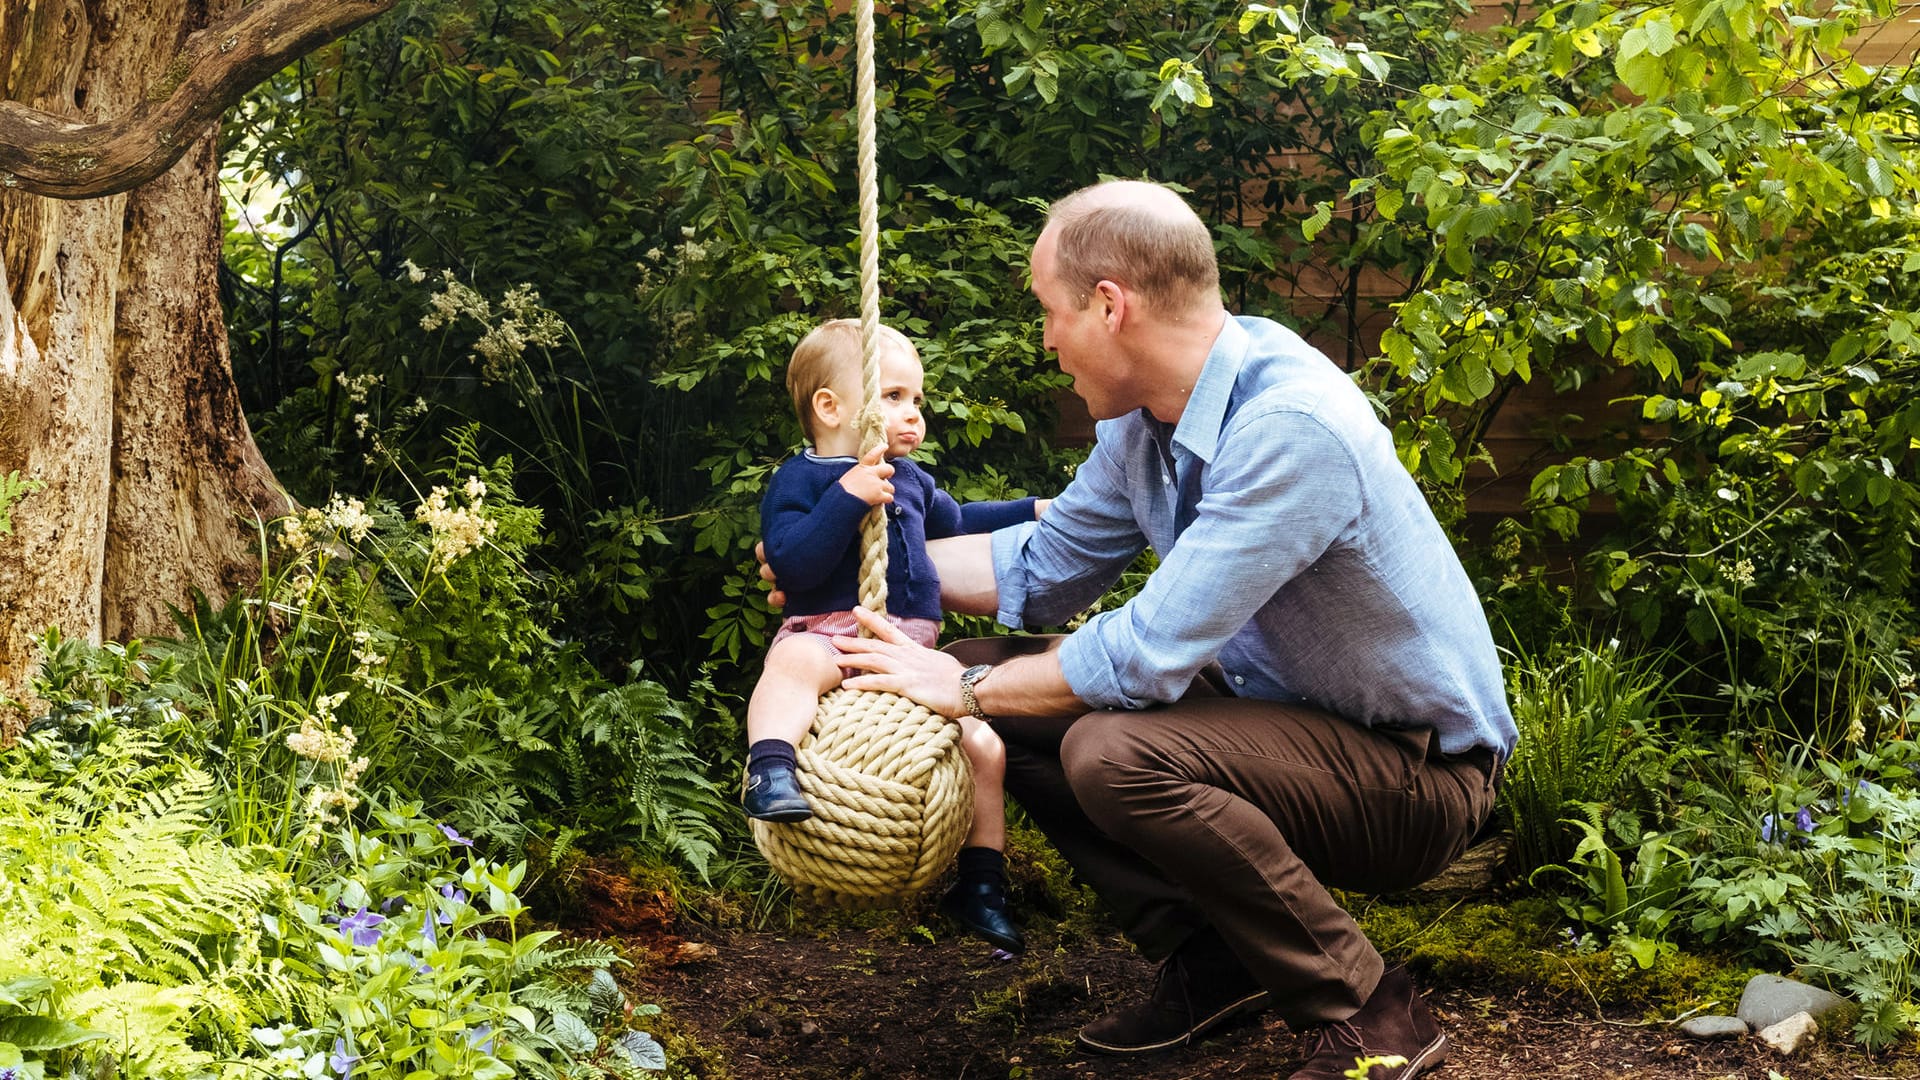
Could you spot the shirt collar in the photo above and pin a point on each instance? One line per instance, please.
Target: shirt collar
(1206, 411)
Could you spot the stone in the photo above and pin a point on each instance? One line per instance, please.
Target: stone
(1714, 1027)
(1789, 1035)
(1769, 999)
(760, 1025)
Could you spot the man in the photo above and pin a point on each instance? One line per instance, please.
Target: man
(1304, 694)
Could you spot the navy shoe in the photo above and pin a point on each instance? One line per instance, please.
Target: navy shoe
(981, 907)
(773, 794)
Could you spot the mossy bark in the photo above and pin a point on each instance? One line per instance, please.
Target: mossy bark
(115, 384)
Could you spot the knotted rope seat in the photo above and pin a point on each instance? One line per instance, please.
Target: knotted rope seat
(890, 787)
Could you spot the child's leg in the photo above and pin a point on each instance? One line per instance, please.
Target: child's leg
(989, 757)
(798, 670)
(978, 899)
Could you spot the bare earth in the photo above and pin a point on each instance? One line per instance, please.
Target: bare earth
(871, 1004)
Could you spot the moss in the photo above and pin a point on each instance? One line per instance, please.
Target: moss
(170, 79)
(687, 1057)
(1523, 943)
(1042, 986)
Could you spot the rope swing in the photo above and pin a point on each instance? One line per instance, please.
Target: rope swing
(890, 787)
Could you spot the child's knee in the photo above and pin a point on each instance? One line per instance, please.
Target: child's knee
(802, 657)
(983, 748)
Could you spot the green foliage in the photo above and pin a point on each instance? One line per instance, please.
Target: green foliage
(1523, 942)
(1584, 714)
(670, 806)
(131, 927)
(1637, 907)
(12, 490)
(145, 941)
(1811, 858)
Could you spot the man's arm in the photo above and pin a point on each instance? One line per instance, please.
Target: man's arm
(965, 564)
(894, 664)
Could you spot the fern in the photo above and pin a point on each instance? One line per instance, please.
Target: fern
(120, 891)
(669, 805)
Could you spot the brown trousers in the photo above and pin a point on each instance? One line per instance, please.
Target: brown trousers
(1239, 815)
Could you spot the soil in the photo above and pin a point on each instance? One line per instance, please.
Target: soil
(847, 1004)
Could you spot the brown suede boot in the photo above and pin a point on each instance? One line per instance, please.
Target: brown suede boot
(1395, 1022)
(1200, 987)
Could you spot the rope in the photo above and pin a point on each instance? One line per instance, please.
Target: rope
(890, 787)
(873, 431)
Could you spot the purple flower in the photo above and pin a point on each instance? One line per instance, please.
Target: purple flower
(481, 1038)
(362, 927)
(454, 837)
(1804, 819)
(458, 896)
(426, 931)
(1767, 825)
(9, 1073)
(341, 1062)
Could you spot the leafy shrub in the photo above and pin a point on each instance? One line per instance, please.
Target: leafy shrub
(1584, 716)
(1812, 860)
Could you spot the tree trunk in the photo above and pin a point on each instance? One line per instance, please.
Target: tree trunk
(115, 383)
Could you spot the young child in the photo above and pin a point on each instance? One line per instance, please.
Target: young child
(810, 521)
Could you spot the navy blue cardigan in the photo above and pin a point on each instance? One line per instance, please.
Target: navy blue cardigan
(811, 526)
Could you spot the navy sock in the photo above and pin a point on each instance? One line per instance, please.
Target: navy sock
(982, 864)
(767, 752)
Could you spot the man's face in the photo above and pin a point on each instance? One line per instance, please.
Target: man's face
(1076, 333)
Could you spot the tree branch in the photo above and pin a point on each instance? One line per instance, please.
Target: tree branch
(47, 154)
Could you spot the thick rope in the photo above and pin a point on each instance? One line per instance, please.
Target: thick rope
(873, 432)
(890, 787)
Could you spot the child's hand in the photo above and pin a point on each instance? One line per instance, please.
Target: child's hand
(869, 481)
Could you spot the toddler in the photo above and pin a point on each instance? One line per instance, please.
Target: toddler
(810, 518)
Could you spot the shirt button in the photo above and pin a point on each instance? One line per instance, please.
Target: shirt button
(1239, 680)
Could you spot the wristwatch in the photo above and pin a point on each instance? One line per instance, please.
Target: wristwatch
(967, 680)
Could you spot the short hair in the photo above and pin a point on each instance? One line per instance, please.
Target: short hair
(1138, 234)
(830, 357)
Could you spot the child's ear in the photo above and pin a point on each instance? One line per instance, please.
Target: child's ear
(826, 408)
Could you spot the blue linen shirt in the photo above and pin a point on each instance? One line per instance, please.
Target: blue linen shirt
(1295, 549)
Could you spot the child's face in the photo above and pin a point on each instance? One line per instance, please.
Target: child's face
(901, 384)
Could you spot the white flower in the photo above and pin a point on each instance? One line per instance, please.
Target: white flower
(350, 517)
(476, 489)
(456, 530)
(413, 273)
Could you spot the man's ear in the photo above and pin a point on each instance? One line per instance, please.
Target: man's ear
(1113, 303)
(826, 409)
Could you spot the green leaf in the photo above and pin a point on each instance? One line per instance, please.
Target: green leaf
(1322, 214)
(43, 1033)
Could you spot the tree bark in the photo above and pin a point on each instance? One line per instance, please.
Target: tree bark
(45, 153)
(115, 382)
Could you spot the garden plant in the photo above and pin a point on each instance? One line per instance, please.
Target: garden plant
(510, 286)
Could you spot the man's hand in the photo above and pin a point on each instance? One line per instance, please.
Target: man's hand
(870, 480)
(894, 664)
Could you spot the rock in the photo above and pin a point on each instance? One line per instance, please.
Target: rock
(760, 1025)
(1789, 1035)
(1715, 1027)
(1769, 999)
(809, 1031)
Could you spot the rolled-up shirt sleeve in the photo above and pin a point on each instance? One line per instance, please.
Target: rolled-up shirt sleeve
(1050, 570)
(1263, 517)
